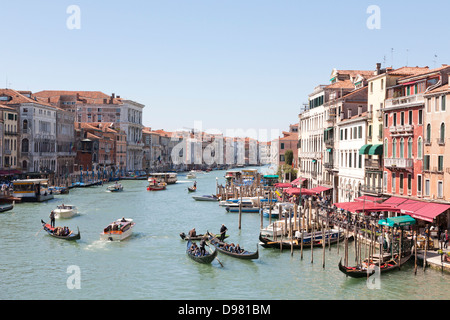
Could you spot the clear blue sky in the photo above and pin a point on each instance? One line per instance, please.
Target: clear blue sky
(228, 63)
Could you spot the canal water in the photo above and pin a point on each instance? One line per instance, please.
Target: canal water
(152, 263)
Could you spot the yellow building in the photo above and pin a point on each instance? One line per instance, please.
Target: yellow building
(9, 141)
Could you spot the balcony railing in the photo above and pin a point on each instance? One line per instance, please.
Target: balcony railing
(406, 101)
(372, 164)
(399, 163)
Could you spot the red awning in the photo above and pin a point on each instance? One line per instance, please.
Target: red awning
(360, 206)
(408, 83)
(320, 189)
(282, 185)
(418, 209)
(298, 181)
(298, 191)
(369, 199)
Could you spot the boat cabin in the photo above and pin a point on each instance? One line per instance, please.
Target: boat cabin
(32, 190)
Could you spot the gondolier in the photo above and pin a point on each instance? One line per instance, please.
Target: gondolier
(202, 246)
(52, 219)
(223, 231)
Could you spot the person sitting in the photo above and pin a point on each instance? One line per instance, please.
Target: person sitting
(238, 249)
(192, 233)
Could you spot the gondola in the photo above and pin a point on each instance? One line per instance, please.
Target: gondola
(50, 230)
(296, 244)
(198, 237)
(220, 247)
(206, 259)
(363, 272)
(192, 189)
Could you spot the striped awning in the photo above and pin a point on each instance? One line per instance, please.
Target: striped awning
(365, 149)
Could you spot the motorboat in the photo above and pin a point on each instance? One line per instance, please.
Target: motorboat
(205, 198)
(118, 230)
(116, 187)
(286, 207)
(191, 175)
(155, 185)
(65, 211)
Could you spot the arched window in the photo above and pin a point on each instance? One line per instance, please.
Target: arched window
(386, 148)
(394, 148)
(25, 165)
(410, 146)
(25, 145)
(442, 133)
(428, 136)
(419, 148)
(25, 125)
(402, 148)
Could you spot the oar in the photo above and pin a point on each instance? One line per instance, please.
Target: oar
(40, 230)
(216, 256)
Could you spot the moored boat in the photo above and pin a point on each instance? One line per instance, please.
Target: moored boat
(60, 233)
(205, 198)
(332, 237)
(197, 236)
(65, 211)
(243, 209)
(118, 230)
(205, 259)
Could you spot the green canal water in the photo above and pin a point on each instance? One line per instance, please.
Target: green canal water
(152, 263)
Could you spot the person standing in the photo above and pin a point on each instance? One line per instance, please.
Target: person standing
(223, 231)
(202, 246)
(52, 219)
(445, 240)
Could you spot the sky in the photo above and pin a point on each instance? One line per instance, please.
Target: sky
(223, 65)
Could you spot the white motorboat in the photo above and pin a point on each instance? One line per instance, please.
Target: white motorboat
(118, 230)
(191, 175)
(65, 211)
(275, 212)
(205, 198)
(116, 187)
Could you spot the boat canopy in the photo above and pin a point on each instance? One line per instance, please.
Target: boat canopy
(398, 221)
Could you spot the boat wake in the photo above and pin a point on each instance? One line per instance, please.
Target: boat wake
(97, 245)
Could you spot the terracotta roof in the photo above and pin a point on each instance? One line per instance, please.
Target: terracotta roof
(80, 97)
(346, 84)
(18, 98)
(425, 72)
(407, 71)
(443, 88)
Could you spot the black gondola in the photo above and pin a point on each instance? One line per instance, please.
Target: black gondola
(51, 231)
(198, 237)
(242, 255)
(206, 259)
(192, 189)
(361, 272)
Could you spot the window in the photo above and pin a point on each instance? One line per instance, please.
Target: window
(393, 183)
(410, 117)
(443, 103)
(426, 162)
(440, 189)
(419, 184)
(360, 132)
(382, 84)
(386, 120)
(342, 134)
(427, 187)
(420, 118)
(410, 146)
(436, 104)
(282, 147)
(442, 134)
(394, 148)
(370, 131)
(440, 163)
(428, 136)
(401, 182)
(395, 120)
(385, 174)
(402, 118)
(402, 148)
(385, 148)
(419, 148)
(409, 183)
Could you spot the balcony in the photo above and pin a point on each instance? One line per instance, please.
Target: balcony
(403, 102)
(329, 143)
(371, 164)
(396, 163)
(401, 131)
(379, 114)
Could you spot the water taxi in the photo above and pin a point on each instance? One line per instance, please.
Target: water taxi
(118, 230)
(155, 185)
(65, 211)
(116, 187)
(167, 177)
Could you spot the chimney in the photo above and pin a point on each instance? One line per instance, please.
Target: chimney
(378, 68)
(113, 95)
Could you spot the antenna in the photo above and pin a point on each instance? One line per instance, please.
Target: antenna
(392, 57)
(435, 60)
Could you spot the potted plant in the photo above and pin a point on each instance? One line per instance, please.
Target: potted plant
(447, 257)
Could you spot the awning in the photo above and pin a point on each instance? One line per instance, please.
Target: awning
(320, 189)
(365, 149)
(369, 199)
(417, 209)
(397, 221)
(329, 150)
(270, 176)
(283, 185)
(376, 149)
(298, 181)
(298, 191)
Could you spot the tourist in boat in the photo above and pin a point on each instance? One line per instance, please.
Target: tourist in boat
(223, 231)
(192, 233)
(52, 219)
(123, 219)
(238, 248)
